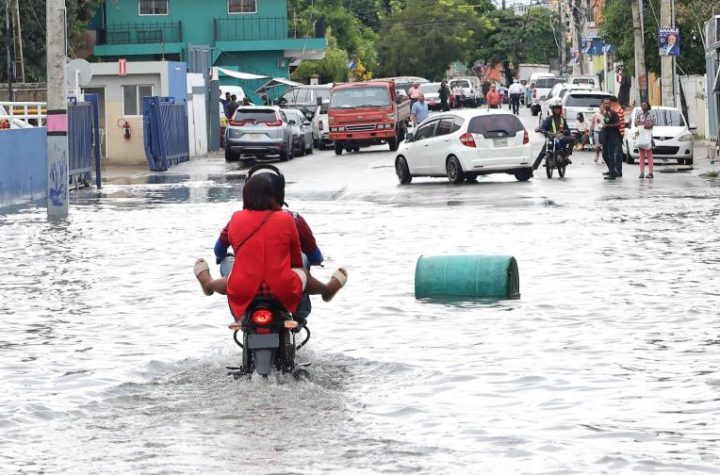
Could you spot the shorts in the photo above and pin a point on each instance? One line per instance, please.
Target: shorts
(303, 276)
(596, 137)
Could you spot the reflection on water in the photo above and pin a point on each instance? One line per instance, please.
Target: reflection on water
(115, 362)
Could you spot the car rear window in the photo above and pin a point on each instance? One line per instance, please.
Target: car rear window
(547, 83)
(255, 114)
(494, 125)
(461, 83)
(584, 100)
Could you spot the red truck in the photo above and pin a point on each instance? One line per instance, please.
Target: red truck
(367, 113)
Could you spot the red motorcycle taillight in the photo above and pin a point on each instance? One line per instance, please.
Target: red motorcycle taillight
(262, 317)
(467, 140)
(526, 138)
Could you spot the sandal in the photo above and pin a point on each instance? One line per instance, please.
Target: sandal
(202, 266)
(341, 276)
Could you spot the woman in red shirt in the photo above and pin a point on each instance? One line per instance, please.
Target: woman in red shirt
(266, 245)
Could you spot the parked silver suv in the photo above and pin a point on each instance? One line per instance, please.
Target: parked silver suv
(256, 132)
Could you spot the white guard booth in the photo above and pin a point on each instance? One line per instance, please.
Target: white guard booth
(197, 115)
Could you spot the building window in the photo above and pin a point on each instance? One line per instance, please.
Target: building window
(153, 7)
(242, 6)
(133, 99)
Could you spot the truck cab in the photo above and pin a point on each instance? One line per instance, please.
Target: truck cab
(367, 113)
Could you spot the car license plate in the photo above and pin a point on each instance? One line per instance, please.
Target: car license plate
(271, 340)
(500, 142)
(253, 137)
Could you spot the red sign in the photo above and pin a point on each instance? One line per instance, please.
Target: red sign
(122, 65)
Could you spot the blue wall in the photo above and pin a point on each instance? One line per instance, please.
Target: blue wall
(23, 165)
(177, 81)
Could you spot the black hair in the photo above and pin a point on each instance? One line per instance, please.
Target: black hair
(258, 193)
(613, 98)
(233, 97)
(276, 178)
(648, 104)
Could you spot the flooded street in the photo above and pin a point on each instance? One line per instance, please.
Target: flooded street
(114, 361)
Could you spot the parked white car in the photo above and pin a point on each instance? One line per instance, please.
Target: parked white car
(471, 87)
(672, 137)
(557, 93)
(465, 143)
(321, 128)
(581, 100)
(540, 89)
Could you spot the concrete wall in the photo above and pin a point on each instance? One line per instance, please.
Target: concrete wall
(23, 165)
(166, 78)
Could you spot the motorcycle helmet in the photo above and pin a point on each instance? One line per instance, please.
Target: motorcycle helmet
(555, 104)
(276, 177)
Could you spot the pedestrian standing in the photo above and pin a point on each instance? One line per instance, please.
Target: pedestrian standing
(419, 110)
(444, 93)
(516, 91)
(621, 129)
(414, 93)
(457, 93)
(613, 141)
(493, 98)
(596, 125)
(502, 92)
(645, 123)
(232, 106)
(226, 105)
(485, 89)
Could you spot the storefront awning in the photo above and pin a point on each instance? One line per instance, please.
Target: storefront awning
(237, 74)
(277, 82)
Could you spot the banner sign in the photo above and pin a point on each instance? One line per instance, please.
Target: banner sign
(592, 46)
(669, 41)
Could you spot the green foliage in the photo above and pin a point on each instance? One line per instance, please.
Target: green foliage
(617, 29)
(517, 39)
(332, 68)
(32, 19)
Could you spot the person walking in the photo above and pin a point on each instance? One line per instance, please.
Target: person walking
(613, 141)
(457, 93)
(516, 91)
(444, 93)
(419, 110)
(493, 98)
(502, 92)
(596, 125)
(645, 123)
(485, 89)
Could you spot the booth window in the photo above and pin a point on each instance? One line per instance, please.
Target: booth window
(153, 7)
(242, 6)
(133, 99)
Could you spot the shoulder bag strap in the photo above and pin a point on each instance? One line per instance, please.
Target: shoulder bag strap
(254, 231)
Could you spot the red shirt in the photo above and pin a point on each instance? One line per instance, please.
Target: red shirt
(493, 98)
(265, 258)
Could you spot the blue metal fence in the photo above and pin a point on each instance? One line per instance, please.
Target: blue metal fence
(80, 143)
(165, 128)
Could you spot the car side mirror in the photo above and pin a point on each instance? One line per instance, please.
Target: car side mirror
(291, 122)
(398, 100)
(318, 100)
(409, 137)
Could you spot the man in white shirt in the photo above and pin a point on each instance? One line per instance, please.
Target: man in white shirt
(516, 91)
(457, 92)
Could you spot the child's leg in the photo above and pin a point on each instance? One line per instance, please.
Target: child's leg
(328, 291)
(208, 284)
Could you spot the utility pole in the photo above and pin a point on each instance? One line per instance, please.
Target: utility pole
(57, 117)
(17, 41)
(563, 58)
(575, 36)
(8, 49)
(640, 76)
(667, 62)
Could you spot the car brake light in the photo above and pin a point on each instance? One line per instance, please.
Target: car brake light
(526, 138)
(467, 140)
(262, 317)
(274, 123)
(237, 123)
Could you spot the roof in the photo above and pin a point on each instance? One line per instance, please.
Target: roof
(276, 82)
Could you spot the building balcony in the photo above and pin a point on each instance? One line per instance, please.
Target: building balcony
(140, 38)
(261, 29)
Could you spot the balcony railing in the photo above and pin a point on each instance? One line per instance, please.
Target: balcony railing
(141, 33)
(258, 29)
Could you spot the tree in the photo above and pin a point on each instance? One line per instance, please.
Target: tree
(32, 17)
(332, 68)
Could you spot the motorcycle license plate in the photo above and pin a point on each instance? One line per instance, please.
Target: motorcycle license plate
(271, 340)
(500, 142)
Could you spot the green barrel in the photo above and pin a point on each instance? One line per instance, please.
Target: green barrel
(467, 276)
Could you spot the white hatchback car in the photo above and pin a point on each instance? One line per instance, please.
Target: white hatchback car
(671, 136)
(465, 143)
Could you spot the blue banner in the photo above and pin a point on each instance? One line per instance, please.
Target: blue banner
(669, 41)
(593, 46)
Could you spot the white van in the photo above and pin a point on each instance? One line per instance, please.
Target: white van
(589, 81)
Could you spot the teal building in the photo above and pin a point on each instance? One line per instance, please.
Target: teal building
(252, 36)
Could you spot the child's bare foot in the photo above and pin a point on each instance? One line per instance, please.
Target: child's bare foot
(337, 282)
(202, 272)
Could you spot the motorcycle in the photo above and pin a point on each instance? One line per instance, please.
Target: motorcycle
(268, 334)
(555, 155)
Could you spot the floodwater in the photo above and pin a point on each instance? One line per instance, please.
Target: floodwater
(114, 361)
